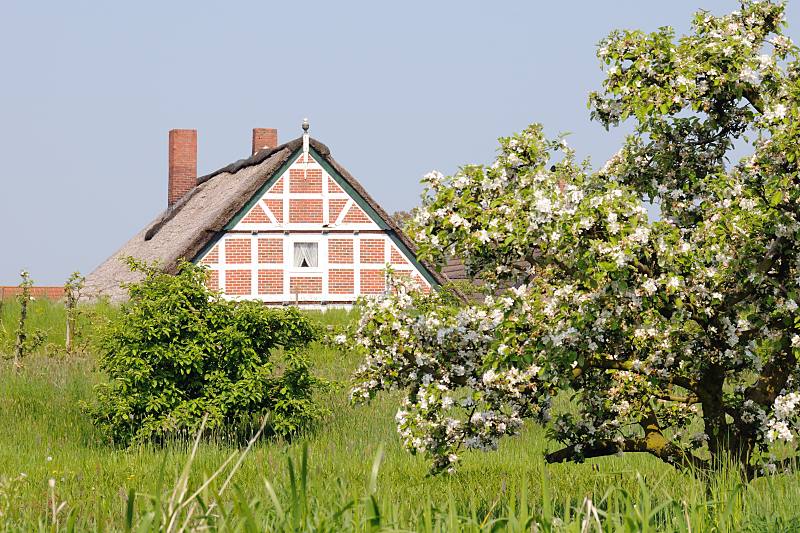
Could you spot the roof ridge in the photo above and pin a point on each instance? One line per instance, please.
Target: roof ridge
(262, 155)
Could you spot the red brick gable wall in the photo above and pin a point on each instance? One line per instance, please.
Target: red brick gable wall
(270, 250)
(256, 216)
(238, 252)
(256, 259)
(356, 216)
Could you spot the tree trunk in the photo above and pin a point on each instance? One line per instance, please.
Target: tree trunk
(19, 351)
(70, 328)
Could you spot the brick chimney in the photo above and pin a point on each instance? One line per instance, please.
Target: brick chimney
(264, 138)
(182, 164)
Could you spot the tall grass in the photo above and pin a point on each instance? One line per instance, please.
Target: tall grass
(328, 478)
(49, 318)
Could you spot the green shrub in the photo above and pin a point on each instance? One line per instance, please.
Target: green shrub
(178, 352)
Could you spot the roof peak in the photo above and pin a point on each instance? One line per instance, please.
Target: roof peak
(262, 155)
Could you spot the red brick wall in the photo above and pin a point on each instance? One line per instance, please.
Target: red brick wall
(305, 285)
(237, 282)
(51, 293)
(256, 216)
(302, 159)
(372, 251)
(270, 251)
(341, 278)
(182, 164)
(333, 186)
(356, 216)
(340, 281)
(309, 181)
(238, 252)
(340, 250)
(264, 138)
(212, 257)
(278, 187)
(276, 206)
(335, 206)
(305, 211)
(372, 281)
(270, 281)
(397, 257)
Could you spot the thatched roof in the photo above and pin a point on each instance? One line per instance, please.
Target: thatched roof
(184, 229)
(454, 269)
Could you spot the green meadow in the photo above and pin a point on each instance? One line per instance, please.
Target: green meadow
(58, 473)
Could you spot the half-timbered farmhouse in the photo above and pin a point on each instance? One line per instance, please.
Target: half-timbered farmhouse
(288, 225)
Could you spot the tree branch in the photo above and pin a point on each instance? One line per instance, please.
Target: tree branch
(690, 399)
(670, 453)
(754, 99)
(601, 449)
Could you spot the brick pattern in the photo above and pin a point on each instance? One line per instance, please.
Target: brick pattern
(397, 258)
(275, 205)
(372, 281)
(333, 187)
(340, 281)
(335, 206)
(305, 285)
(256, 216)
(277, 188)
(372, 251)
(264, 138)
(50, 293)
(237, 282)
(305, 211)
(270, 281)
(270, 250)
(305, 181)
(302, 159)
(182, 164)
(212, 257)
(238, 252)
(356, 216)
(340, 251)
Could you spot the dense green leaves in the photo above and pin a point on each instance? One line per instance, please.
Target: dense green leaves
(178, 352)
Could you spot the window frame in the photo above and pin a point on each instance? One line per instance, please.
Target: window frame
(305, 239)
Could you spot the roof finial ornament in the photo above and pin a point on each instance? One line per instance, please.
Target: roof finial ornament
(305, 125)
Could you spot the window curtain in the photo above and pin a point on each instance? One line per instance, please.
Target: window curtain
(305, 254)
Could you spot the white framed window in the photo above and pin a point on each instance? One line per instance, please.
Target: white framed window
(306, 255)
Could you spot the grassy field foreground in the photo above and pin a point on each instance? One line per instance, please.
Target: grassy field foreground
(58, 473)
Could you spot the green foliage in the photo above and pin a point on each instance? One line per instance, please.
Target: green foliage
(72, 290)
(178, 352)
(501, 489)
(26, 341)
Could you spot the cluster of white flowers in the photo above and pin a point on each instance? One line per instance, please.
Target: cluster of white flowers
(783, 423)
(595, 297)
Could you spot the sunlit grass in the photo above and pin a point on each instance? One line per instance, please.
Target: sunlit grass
(45, 435)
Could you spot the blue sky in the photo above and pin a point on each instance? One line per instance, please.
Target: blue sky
(90, 89)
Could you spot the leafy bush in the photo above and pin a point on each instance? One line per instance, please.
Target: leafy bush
(177, 352)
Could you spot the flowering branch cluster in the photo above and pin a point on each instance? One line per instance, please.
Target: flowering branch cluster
(651, 324)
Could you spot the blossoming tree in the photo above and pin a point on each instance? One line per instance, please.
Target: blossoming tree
(655, 327)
